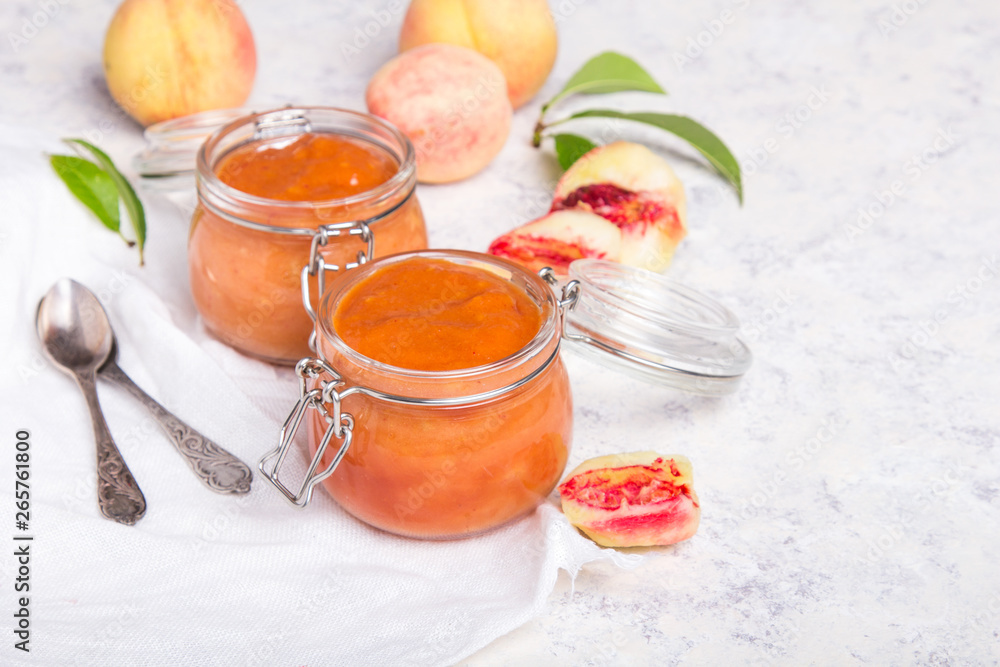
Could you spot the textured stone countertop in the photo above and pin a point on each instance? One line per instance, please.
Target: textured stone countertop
(851, 488)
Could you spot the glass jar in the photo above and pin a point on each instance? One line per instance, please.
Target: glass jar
(440, 454)
(257, 265)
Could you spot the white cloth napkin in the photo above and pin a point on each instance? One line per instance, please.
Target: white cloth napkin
(206, 579)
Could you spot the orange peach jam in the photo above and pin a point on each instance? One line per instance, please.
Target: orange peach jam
(431, 315)
(426, 326)
(307, 167)
(246, 280)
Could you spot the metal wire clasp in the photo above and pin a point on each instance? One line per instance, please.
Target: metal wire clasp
(568, 294)
(318, 267)
(341, 426)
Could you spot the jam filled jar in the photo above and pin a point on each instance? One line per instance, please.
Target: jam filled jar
(438, 406)
(285, 199)
(444, 368)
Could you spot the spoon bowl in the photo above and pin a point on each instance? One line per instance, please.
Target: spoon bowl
(73, 328)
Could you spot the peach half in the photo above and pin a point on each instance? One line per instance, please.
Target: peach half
(518, 35)
(632, 187)
(558, 239)
(451, 102)
(638, 499)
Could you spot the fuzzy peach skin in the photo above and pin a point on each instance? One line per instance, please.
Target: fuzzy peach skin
(169, 58)
(558, 239)
(639, 499)
(634, 188)
(451, 102)
(518, 35)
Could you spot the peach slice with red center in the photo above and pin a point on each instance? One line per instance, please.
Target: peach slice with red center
(559, 238)
(632, 187)
(638, 499)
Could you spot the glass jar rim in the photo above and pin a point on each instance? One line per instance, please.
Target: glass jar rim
(206, 176)
(548, 330)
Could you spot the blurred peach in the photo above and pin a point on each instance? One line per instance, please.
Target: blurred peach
(518, 35)
(450, 101)
(169, 58)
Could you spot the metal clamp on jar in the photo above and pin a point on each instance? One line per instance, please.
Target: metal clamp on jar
(440, 454)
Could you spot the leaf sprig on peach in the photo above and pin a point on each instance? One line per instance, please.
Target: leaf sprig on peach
(611, 72)
(629, 204)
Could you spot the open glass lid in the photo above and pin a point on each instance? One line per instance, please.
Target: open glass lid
(653, 328)
(167, 162)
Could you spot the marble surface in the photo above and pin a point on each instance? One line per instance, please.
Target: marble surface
(850, 488)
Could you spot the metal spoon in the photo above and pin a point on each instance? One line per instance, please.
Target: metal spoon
(218, 469)
(75, 335)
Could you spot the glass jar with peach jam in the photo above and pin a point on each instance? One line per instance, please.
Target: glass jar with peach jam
(438, 405)
(284, 199)
(444, 367)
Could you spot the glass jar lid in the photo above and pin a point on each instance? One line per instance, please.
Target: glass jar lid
(654, 328)
(167, 162)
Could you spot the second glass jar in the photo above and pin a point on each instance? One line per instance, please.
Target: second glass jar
(247, 252)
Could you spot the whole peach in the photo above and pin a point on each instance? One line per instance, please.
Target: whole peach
(518, 35)
(169, 58)
(452, 104)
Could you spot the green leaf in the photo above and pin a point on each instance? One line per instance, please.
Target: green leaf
(571, 147)
(132, 204)
(608, 72)
(696, 134)
(92, 186)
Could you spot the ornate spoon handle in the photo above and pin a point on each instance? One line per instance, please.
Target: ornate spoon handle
(218, 469)
(118, 495)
